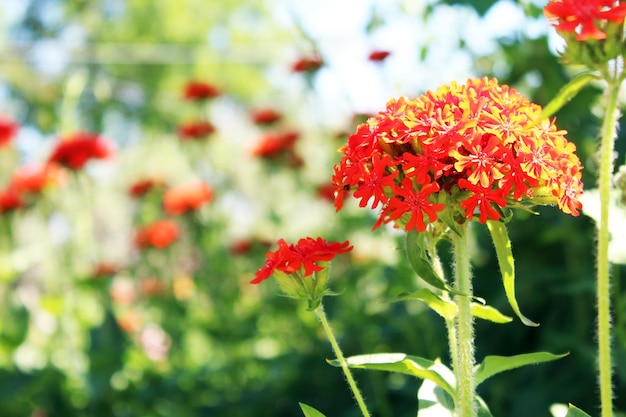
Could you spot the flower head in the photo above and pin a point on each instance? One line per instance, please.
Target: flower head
(265, 116)
(307, 64)
(10, 199)
(34, 177)
(199, 91)
(586, 18)
(305, 257)
(74, 151)
(378, 55)
(472, 150)
(159, 234)
(186, 197)
(8, 129)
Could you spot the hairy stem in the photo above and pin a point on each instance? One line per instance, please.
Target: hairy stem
(321, 315)
(466, 385)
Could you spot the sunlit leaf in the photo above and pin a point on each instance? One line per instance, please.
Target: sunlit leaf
(502, 244)
(573, 411)
(401, 363)
(489, 313)
(492, 365)
(309, 411)
(445, 308)
(435, 402)
(420, 260)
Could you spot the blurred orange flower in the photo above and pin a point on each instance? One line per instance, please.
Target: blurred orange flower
(159, 234)
(185, 197)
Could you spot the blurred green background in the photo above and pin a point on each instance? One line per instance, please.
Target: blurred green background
(91, 325)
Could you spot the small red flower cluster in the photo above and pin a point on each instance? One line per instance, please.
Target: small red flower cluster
(378, 55)
(28, 180)
(274, 145)
(199, 91)
(302, 258)
(465, 148)
(143, 186)
(265, 116)
(75, 150)
(8, 129)
(584, 16)
(195, 130)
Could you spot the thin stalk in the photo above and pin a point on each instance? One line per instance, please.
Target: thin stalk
(465, 384)
(321, 315)
(609, 132)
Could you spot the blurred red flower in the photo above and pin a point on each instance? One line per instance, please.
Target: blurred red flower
(185, 197)
(265, 116)
(272, 144)
(159, 234)
(10, 199)
(307, 64)
(378, 55)
(151, 286)
(195, 130)
(199, 90)
(142, 187)
(8, 129)
(74, 151)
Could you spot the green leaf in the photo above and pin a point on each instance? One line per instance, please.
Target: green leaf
(404, 364)
(502, 244)
(310, 411)
(492, 365)
(445, 308)
(489, 313)
(573, 411)
(435, 402)
(420, 260)
(565, 94)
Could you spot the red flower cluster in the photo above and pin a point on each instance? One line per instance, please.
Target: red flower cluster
(8, 129)
(159, 234)
(274, 145)
(378, 55)
(199, 90)
(76, 150)
(10, 200)
(28, 180)
(584, 16)
(303, 258)
(195, 130)
(470, 149)
(307, 64)
(185, 197)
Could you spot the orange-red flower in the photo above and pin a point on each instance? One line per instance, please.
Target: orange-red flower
(199, 90)
(74, 151)
(586, 18)
(34, 177)
(195, 130)
(8, 129)
(159, 234)
(186, 197)
(378, 55)
(305, 257)
(480, 143)
(276, 145)
(143, 186)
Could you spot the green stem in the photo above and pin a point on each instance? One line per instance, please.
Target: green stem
(609, 127)
(465, 383)
(321, 315)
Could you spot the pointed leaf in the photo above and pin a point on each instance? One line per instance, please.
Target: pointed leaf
(489, 313)
(565, 94)
(573, 411)
(502, 244)
(420, 260)
(445, 308)
(492, 365)
(401, 363)
(310, 411)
